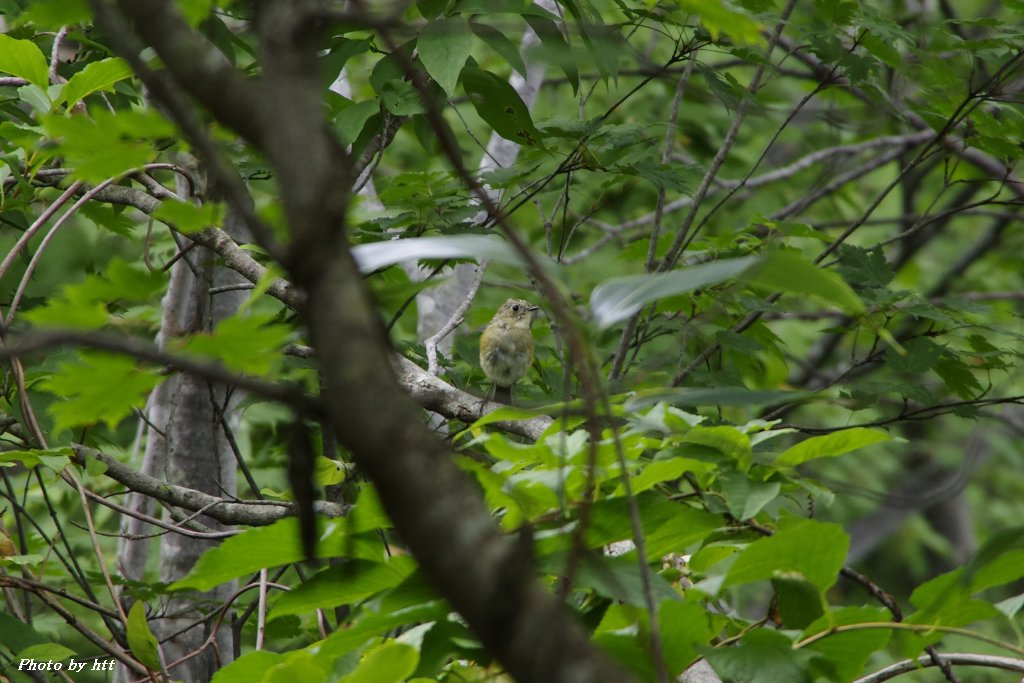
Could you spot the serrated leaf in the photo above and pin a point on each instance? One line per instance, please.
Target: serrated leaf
(98, 388)
(22, 58)
(248, 344)
(616, 299)
(831, 445)
(101, 75)
(187, 217)
(141, 640)
(443, 46)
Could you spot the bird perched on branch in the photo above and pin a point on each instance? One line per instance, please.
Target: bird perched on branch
(506, 347)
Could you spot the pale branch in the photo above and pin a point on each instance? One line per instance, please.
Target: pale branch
(951, 658)
(224, 510)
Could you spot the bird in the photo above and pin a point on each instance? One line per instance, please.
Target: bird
(506, 347)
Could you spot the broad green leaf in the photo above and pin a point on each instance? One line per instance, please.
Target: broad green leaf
(243, 343)
(22, 58)
(799, 601)
(847, 653)
(500, 44)
(401, 98)
(67, 313)
(815, 550)
(375, 255)
(389, 662)
(720, 17)
(349, 122)
(101, 75)
(616, 299)
(16, 635)
(744, 497)
(99, 387)
(248, 668)
(787, 272)
(526, 8)
(499, 105)
(555, 49)
(349, 583)
(55, 457)
(729, 441)
(187, 217)
(684, 627)
(46, 651)
(141, 640)
(831, 445)
(444, 45)
(299, 665)
(195, 10)
(259, 548)
(97, 150)
(431, 8)
(53, 14)
(761, 656)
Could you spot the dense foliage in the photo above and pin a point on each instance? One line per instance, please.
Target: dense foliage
(774, 418)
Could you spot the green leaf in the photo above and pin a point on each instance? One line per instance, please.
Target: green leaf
(500, 44)
(349, 583)
(684, 627)
(799, 601)
(616, 299)
(53, 14)
(16, 635)
(349, 122)
(141, 640)
(719, 17)
(195, 10)
(389, 662)
(46, 651)
(23, 59)
(499, 105)
(716, 396)
(727, 440)
(814, 550)
(761, 656)
(401, 98)
(444, 45)
(97, 150)
(787, 272)
(847, 653)
(744, 497)
(101, 75)
(187, 217)
(98, 388)
(244, 343)
(556, 49)
(830, 445)
(248, 668)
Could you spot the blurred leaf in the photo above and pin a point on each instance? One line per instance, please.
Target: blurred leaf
(349, 583)
(375, 255)
(389, 662)
(444, 45)
(787, 272)
(616, 299)
(500, 44)
(242, 343)
(187, 217)
(830, 445)
(98, 387)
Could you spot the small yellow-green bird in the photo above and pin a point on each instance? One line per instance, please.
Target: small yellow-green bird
(506, 347)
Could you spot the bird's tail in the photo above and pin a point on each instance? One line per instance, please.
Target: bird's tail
(503, 394)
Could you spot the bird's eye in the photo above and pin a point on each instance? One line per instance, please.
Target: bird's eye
(515, 307)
